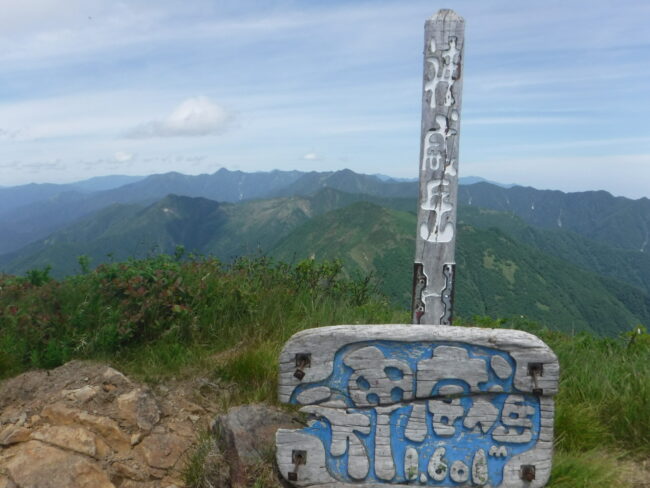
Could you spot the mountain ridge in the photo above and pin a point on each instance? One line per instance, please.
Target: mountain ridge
(596, 215)
(496, 275)
(370, 234)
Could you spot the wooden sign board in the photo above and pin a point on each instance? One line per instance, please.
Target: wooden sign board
(415, 405)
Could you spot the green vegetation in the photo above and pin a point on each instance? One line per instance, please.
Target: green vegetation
(506, 267)
(595, 215)
(159, 314)
(160, 317)
(629, 266)
(497, 275)
(604, 396)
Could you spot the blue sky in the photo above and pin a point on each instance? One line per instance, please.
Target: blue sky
(556, 94)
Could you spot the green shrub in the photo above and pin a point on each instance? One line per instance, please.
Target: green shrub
(161, 316)
(125, 310)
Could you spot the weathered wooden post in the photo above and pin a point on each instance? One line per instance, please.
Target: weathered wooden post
(434, 267)
(415, 405)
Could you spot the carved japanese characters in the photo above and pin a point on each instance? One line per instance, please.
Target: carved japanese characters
(436, 228)
(416, 405)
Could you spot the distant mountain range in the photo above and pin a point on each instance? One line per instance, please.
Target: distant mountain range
(497, 275)
(31, 212)
(28, 213)
(617, 221)
(574, 261)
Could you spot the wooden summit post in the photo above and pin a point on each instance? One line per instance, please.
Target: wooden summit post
(435, 241)
(410, 404)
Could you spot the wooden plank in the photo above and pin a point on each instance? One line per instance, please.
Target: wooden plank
(434, 266)
(413, 404)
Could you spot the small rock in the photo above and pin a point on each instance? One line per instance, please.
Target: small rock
(60, 414)
(68, 437)
(13, 434)
(139, 408)
(105, 426)
(8, 414)
(163, 451)
(81, 395)
(21, 419)
(136, 438)
(132, 471)
(114, 376)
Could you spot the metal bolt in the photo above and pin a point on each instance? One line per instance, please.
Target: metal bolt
(527, 472)
(535, 369)
(303, 360)
(299, 457)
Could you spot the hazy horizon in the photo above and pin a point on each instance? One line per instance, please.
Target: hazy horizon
(463, 179)
(555, 95)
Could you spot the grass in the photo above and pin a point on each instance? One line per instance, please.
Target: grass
(604, 394)
(591, 469)
(160, 318)
(206, 466)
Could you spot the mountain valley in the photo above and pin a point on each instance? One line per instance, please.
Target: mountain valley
(514, 257)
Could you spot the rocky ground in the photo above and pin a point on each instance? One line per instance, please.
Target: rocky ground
(86, 425)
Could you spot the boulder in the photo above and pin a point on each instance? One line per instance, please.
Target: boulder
(87, 425)
(246, 436)
(104, 426)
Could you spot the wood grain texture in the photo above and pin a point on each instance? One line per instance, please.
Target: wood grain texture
(434, 270)
(407, 405)
(404, 404)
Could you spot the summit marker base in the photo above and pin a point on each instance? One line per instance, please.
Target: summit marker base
(410, 405)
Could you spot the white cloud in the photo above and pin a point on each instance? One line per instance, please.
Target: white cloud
(8, 135)
(311, 157)
(197, 116)
(123, 157)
